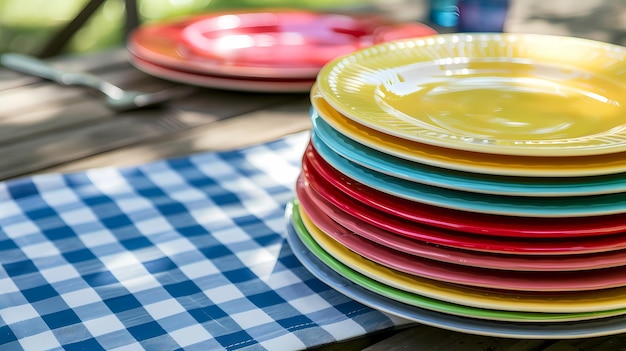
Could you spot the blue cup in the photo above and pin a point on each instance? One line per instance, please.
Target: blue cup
(444, 13)
(482, 15)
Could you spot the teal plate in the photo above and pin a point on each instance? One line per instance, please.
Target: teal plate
(523, 206)
(328, 140)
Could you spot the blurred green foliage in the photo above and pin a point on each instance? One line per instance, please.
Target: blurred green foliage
(25, 25)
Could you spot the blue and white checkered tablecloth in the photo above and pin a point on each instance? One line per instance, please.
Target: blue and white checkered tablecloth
(186, 253)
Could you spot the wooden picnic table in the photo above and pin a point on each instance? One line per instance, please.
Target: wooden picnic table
(48, 128)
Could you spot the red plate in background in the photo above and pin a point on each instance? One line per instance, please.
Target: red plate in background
(278, 43)
(222, 82)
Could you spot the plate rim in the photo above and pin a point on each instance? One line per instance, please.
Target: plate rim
(329, 78)
(467, 275)
(548, 207)
(299, 223)
(461, 160)
(219, 82)
(494, 244)
(336, 143)
(449, 322)
(170, 50)
(495, 260)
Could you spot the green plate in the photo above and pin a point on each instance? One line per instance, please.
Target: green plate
(426, 302)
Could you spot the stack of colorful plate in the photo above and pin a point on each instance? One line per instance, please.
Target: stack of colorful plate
(262, 50)
(475, 182)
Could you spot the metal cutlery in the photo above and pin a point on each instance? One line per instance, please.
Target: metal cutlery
(116, 97)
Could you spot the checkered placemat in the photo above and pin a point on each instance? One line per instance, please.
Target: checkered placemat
(187, 253)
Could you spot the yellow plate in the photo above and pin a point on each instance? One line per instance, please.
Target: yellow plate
(513, 94)
(572, 302)
(464, 160)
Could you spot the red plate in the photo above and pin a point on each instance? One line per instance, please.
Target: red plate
(278, 43)
(346, 208)
(333, 183)
(316, 209)
(471, 275)
(222, 82)
(357, 219)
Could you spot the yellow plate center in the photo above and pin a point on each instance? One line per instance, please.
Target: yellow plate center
(527, 95)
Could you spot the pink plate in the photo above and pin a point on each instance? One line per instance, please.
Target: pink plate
(315, 206)
(278, 43)
(469, 275)
(222, 82)
(335, 183)
(345, 210)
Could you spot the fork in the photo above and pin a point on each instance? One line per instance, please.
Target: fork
(116, 97)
